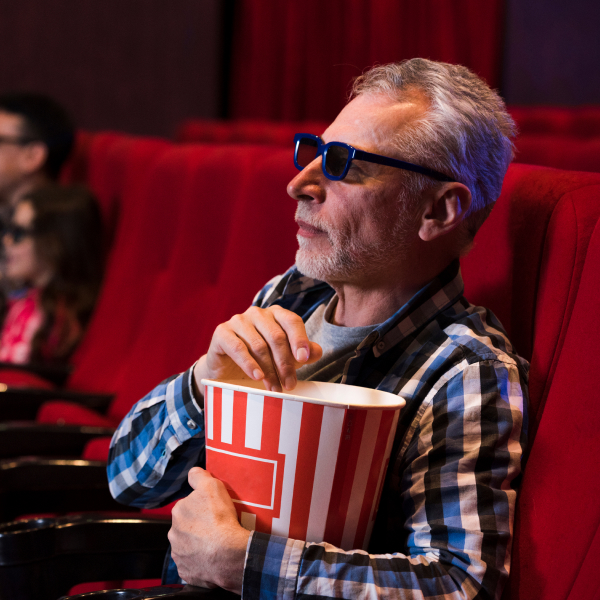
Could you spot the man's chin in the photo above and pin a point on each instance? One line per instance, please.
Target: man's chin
(317, 267)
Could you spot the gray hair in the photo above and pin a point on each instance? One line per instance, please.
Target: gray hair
(466, 131)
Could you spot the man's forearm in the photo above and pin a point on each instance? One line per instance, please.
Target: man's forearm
(140, 469)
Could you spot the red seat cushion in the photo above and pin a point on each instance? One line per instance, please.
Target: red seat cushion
(63, 412)
(20, 378)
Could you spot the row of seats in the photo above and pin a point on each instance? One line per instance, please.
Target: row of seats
(554, 137)
(197, 229)
(579, 122)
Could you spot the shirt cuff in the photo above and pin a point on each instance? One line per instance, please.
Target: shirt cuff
(185, 414)
(272, 565)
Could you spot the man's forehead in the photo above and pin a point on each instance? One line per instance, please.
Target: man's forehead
(370, 121)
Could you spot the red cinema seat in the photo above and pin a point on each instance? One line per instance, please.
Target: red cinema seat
(140, 252)
(556, 550)
(527, 263)
(235, 212)
(170, 340)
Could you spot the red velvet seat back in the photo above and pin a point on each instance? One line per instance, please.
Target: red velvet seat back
(237, 226)
(211, 181)
(527, 262)
(139, 252)
(248, 131)
(581, 121)
(559, 151)
(556, 551)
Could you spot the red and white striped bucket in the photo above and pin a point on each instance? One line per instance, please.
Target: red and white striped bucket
(309, 464)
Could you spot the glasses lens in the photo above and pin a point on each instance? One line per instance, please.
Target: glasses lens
(16, 232)
(306, 152)
(336, 159)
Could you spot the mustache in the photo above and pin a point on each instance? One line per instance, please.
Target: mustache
(302, 214)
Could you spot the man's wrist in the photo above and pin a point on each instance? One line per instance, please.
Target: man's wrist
(232, 560)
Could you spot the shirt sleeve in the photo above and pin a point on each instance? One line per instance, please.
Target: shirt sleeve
(452, 505)
(156, 444)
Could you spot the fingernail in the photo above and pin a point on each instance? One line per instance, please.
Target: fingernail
(290, 383)
(258, 374)
(302, 355)
(276, 389)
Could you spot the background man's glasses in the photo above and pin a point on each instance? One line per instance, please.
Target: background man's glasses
(16, 232)
(19, 141)
(337, 158)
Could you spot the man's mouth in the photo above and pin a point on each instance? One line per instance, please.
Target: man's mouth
(307, 230)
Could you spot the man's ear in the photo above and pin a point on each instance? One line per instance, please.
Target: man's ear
(444, 210)
(33, 157)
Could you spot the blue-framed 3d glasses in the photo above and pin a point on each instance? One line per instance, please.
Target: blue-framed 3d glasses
(337, 158)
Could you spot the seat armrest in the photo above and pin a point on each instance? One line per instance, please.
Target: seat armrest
(40, 439)
(22, 403)
(44, 558)
(39, 485)
(56, 374)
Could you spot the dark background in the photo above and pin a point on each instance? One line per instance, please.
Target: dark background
(143, 66)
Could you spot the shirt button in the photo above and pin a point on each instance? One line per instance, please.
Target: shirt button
(191, 424)
(381, 345)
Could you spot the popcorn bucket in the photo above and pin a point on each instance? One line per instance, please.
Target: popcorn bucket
(309, 464)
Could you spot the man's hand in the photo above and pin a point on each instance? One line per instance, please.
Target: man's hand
(208, 544)
(263, 343)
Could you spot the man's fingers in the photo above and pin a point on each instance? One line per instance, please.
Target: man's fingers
(261, 334)
(291, 348)
(229, 344)
(196, 475)
(295, 331)
(265, 344)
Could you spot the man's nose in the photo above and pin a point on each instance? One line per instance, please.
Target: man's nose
(308, 184)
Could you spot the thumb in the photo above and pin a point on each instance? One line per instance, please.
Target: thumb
(196, 475)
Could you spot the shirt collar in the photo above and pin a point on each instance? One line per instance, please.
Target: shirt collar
(434, 298)
(442, 292)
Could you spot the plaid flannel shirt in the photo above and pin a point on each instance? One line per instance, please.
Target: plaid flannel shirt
(445, 519)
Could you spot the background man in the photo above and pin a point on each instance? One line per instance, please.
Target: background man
(36, 138)
(375, 299)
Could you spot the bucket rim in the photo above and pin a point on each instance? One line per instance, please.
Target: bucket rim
(378, 399)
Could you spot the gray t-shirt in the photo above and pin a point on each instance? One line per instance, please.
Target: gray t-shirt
(338, 343)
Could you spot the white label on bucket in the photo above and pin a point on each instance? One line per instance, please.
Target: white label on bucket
(209, 411)
(329, 443)
(254, 420)
(273, 476)
(361, 476)
(289, 437)
(226, 416)
(248, 520)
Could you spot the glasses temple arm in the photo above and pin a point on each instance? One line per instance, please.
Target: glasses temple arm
(393, 162)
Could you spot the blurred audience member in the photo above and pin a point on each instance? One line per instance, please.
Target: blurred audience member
(36, 138)
(54, 263)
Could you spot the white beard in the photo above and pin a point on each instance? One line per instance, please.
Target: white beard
(348, 258)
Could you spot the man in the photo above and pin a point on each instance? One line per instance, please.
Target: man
(375, 299)
(36, 138)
